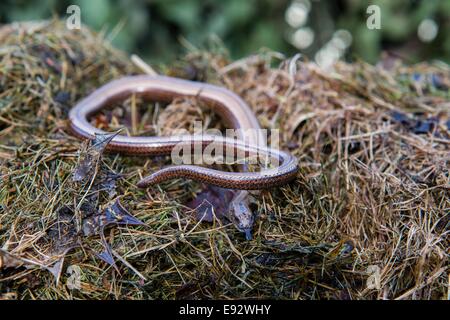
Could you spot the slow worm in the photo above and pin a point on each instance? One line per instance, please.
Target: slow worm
(232, 109)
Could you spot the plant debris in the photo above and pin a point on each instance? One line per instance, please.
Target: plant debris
(372, 198)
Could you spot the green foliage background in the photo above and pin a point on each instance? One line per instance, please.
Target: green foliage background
(155, 29)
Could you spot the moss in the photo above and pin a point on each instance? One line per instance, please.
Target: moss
(371, 190)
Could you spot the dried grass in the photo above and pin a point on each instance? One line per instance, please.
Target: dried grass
(373, 190)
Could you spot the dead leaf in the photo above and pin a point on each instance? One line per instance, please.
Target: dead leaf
(90, 155)
(211, 201)
(114, 214)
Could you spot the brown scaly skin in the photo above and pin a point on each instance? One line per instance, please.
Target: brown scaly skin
(229, 106)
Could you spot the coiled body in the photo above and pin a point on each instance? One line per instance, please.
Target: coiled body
(232, 109)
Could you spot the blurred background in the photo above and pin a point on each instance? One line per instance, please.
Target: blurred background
(323, 30)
